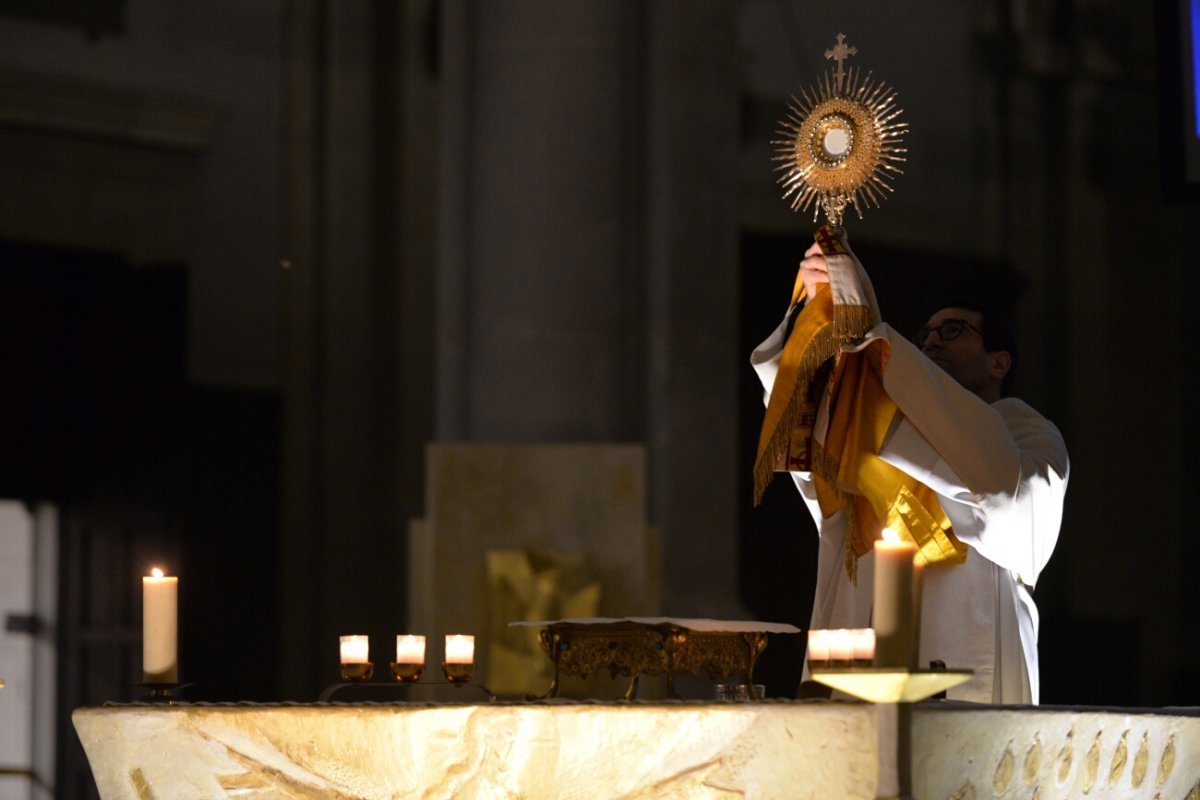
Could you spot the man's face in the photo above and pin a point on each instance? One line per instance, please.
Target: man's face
(962, 357)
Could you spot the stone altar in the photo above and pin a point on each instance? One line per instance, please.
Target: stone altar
(773, 749)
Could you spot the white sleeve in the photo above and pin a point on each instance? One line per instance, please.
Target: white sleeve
(765, 358)
(1029, 522)
(1004, 461)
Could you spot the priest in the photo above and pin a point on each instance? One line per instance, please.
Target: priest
(919, 436)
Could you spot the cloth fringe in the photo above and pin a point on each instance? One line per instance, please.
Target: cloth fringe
(824, 345)
(850, 324)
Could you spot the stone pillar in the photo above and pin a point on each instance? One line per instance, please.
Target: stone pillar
(693, 361)
(587, 280)
(540, 271)
(357, 382)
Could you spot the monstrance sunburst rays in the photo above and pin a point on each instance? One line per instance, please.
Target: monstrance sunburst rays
(843, 143)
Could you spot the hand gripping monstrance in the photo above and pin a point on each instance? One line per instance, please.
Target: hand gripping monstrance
(843, 143)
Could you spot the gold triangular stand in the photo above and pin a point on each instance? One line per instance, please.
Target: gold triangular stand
(891, 685)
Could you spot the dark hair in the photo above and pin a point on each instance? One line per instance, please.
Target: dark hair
(997, 336)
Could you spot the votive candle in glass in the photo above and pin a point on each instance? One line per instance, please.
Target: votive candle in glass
(818, 647)
(841, 645)
(355, 654)
(459, 664)
(410, 649)
(864, 645)
(460, 649)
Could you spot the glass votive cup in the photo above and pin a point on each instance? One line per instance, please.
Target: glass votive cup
(410, 658)
(357, 673)
(738, 692)
(407, 671)
(457, 673)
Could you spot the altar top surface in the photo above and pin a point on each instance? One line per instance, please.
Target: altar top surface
(691, 624)
(567, 749)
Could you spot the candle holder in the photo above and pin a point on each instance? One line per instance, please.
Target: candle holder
(360, 687)
(407, 672)
(458, 674)
(891, 684)
(360, 672)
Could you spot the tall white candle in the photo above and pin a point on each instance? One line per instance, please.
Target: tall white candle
(160, 628)
(355, 649)
(460, 649)
(893, 616)
(410, 649)
(918, 588)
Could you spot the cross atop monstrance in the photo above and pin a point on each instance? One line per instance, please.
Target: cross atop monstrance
(840, 52)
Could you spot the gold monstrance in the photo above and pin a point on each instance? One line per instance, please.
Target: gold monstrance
(843, 143)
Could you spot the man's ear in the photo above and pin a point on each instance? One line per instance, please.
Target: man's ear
(999, 363)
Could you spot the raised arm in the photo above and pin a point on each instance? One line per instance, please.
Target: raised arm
(1003, 461)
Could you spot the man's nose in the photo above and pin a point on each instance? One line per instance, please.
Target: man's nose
(925, 345)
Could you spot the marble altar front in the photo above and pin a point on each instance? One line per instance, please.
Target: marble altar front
(774, 749)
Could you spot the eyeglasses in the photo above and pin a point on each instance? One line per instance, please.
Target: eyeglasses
(947, 330)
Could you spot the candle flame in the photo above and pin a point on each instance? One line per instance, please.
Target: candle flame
(890, 536)
(156, 572)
